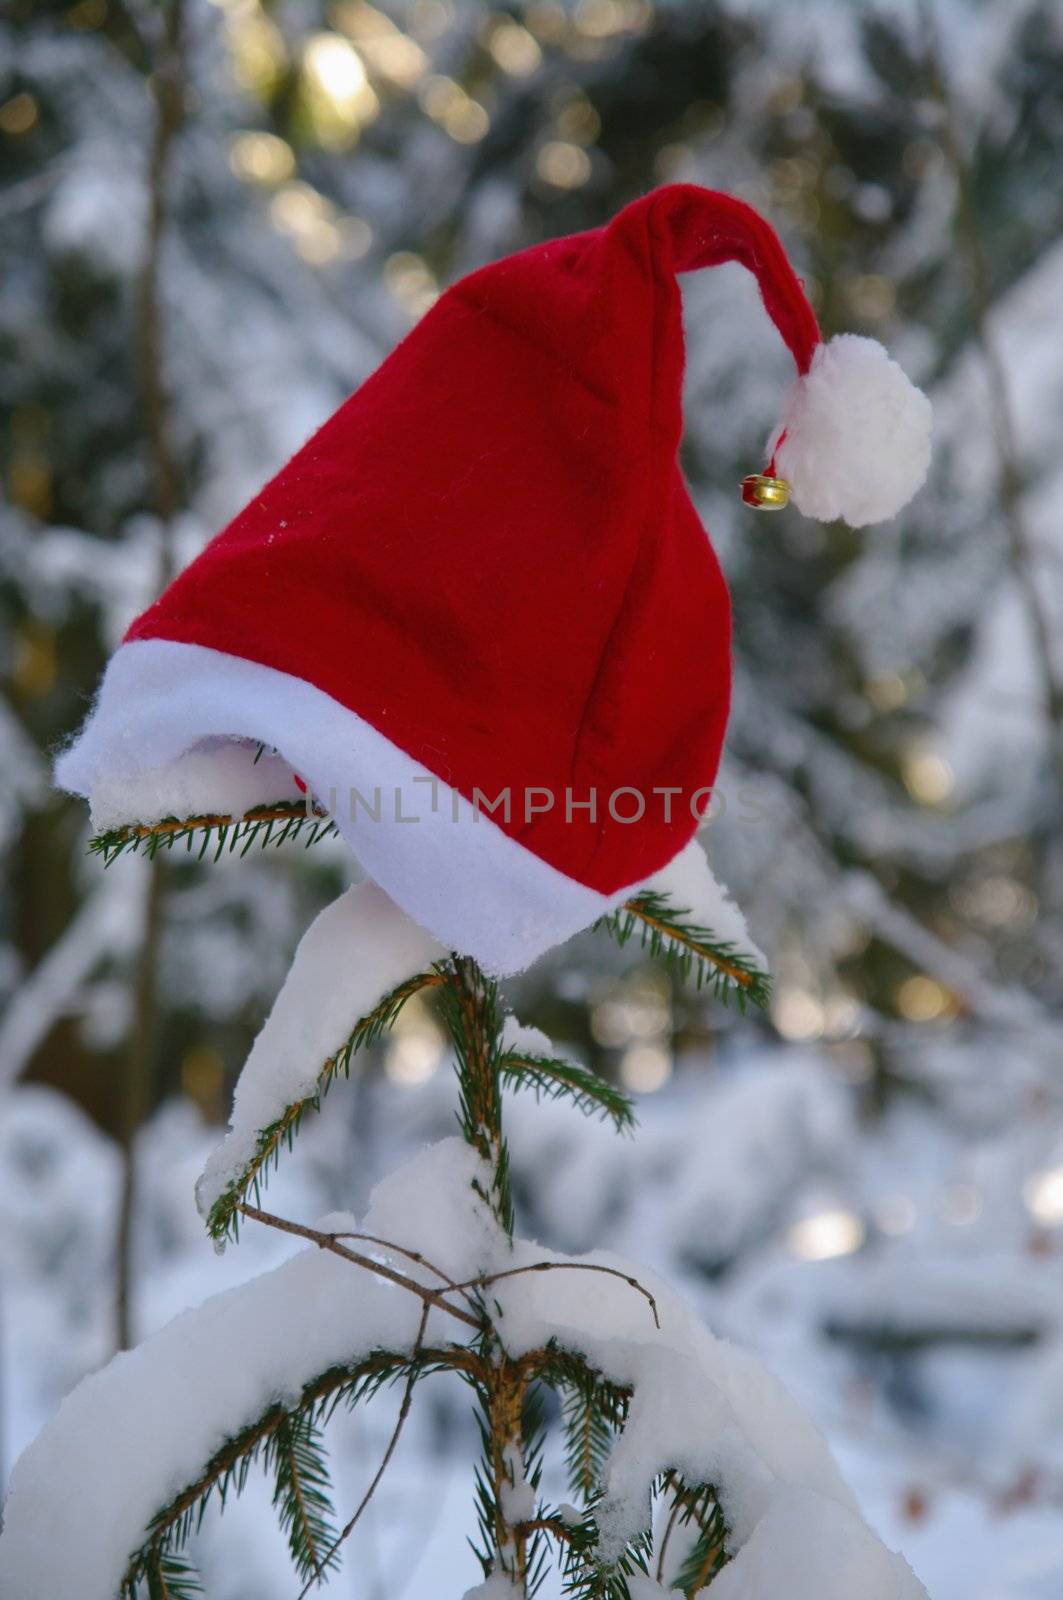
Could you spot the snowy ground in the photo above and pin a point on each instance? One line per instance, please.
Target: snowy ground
(917, 1324)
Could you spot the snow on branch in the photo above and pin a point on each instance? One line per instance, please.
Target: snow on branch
(361, 961)
(138, 1447)
(116, 1480)
(656, 1411)
(112, 1489)
(686, 917)
(698, 1419)
(354, 969)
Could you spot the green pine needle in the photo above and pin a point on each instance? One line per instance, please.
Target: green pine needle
(217, 835)
(586, 1578)
(301, 1495)
(696, 1509)
(589, 1437)
(169, 1577)
(287, 1442)
(693, 950)
(471, 1008)
(593, 1412)
(550, 1078)
(223, 1221)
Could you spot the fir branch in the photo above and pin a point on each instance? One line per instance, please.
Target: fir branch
(588, 1440)
(668, 933)
(704, 1560)
(220, 832)
(396, 1433)
(472, 1011)
(503, 1417)
(553, 1523)
(588, 1578)
(168, 1576)
(223, 1219)
(593, 1411)
(550, 1078)
(585, 1577)
(698, 1506)
(158, 1560)
(301, 1494)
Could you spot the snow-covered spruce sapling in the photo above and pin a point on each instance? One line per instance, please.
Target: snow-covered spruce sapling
(689, 1466)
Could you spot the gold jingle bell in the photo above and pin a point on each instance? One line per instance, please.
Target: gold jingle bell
(764, 493)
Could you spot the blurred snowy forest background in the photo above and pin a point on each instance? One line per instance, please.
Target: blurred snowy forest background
(252, 201)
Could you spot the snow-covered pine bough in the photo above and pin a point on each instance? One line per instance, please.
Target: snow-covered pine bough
(376, 617)
(689, 1465)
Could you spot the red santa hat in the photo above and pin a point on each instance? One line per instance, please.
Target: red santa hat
(477, 613)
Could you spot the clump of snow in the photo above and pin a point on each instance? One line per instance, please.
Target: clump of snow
(354, 953)
(218, 777)
(429, 1205)
(524, 1040)
(807, 1547)
(857, 434)
(701, 1405)
(499, 1586)
(518, 1496)
(690, 885)
(132, 1435)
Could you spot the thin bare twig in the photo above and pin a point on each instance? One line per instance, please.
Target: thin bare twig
(329, 1241)
(404, 1411)
(400, 1250)
(411, 1255)
(564, 1266)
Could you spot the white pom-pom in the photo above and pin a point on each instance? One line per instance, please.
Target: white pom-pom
(857, 442)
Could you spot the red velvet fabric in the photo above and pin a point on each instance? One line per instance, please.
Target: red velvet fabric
(489, 554)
